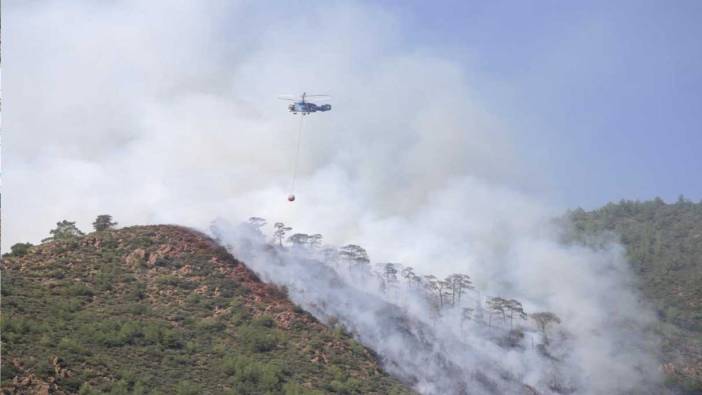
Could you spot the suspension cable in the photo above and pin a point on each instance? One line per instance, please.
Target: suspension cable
(297, 156)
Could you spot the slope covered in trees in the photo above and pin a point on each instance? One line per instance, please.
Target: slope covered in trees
(445, 334)
(163, 309)
(664, 245)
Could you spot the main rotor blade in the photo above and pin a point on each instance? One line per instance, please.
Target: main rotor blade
(300, 97)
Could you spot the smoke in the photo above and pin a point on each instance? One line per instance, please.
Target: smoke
(603, 344)
(156, 113)
(163, 113)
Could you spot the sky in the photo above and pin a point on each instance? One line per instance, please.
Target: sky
(167, 113)
(606, 95)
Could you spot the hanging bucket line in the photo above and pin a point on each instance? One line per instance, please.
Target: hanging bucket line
(297, 156)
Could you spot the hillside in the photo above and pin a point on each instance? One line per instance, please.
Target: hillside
(664, 246)
(164, 309)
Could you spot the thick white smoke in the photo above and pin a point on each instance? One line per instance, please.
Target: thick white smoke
(157, 113)
(603, 344)
(163, 113)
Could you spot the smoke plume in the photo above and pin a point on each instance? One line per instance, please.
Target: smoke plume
(161, 113)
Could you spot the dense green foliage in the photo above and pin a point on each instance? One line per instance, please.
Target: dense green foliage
(20, 249)
(150, 310)
(103, 222)
(65, 230)
(664, 245)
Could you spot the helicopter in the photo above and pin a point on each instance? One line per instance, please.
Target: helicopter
(300, 105)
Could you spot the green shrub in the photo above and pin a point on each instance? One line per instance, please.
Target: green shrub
(239, 316)
(130, 331)
(175, 281)
(170, 339)
(168, 262)
(142, 242)
(252, 377)
(139, 388)
(271, 377)
(264, 321)
(79, 289)
(17, 325)
(7, 371)
(227, 288)
(257, 340)
(71, 345)
(105, 280)
(229, 364)
(137, 293)
(58, 274)
(120, 387)
(213, 325)
(188, 388)
(159, 334)
(65, 308)
(152, 333)
(87, 389)
(297, 389)
(351, 386)
(138, 309)
(113, 333)
(20, 249)
(191, 347)
(356, 348)
(71, 384)
(193, 299)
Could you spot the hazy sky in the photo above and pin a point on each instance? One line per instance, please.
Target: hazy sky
(163, 112)
(607, 95)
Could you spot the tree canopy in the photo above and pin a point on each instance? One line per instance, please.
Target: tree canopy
(65, 230)
(103, 222)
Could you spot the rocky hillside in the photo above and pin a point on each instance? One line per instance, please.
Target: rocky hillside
(163, 309)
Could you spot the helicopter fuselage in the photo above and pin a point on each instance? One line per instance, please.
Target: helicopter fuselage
(305, 108)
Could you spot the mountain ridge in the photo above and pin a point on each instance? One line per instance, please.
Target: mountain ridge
(179, 282)
(129, 309)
